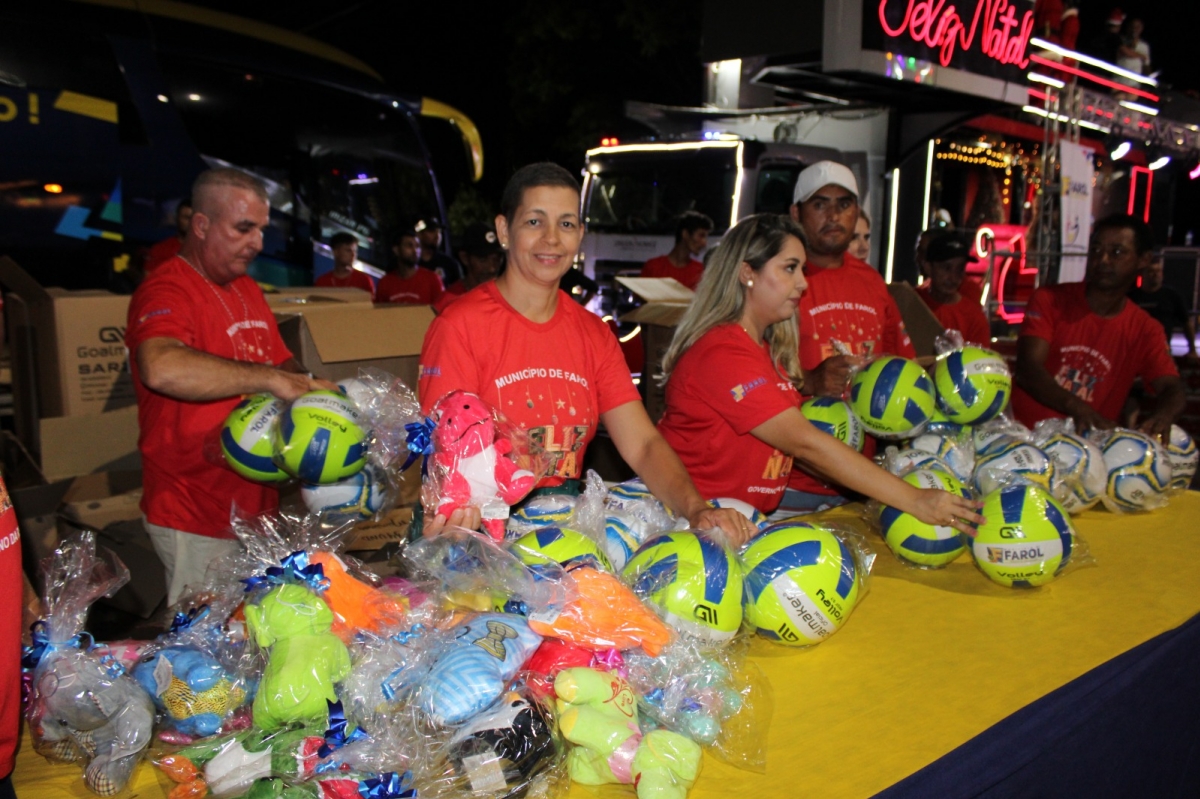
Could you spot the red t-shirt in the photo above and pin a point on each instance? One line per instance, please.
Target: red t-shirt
(553, 379)
(1094, 358)
(423, 287)
(721, 389)
(162, 252)
(964, 316)
(453, 292)
(662, 267)
(182, 489)
(10, 633)
(354, 280)
(851, 304)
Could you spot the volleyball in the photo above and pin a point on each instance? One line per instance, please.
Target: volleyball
(694, 582)
(623, 534)
(910, 460)
(358, 392)
(1028, 537)
(802, 583)
(557, 545)
(745, 508)
(1183, 455)
(320, 439)
(628, 492)
(1015, 457)
(949, 451)
(1138, 469)
(246, 438)
(973, 385)
(990, 438)
(547, 510)
(892, 396)
(833, 416)
(913, 540)
(360, 495)
(1080, 465)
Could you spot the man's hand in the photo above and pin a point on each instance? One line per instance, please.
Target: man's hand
(290, 386)
(1157, 425)
(830, 377)
(735, 525)
(1086, 417)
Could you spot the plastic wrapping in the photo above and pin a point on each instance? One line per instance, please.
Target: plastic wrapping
(752, 514)
(693, 581)
(364, 495)
(974, 385)
(389, 409)
(321, 438)
(598, 714)
(893, 397)
(381, 673)
(1028, 539)
(246, 439)
(957, 451)
(901, 462)
(1015, 457)
(478, 460)
(999, 432)
(834, 416)
(230, 765)
(802, 581)
(1139, 470)
(547, 510)
(1078, 464)
(82, 707)
(914, 542)
(1184, 456)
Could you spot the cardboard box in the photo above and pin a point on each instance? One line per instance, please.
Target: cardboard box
(79, 445)
(339, 339)
(298, 299)
(372, 536)
(923, 327)
(666, 301)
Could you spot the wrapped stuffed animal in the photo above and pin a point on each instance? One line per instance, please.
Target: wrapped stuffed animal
(357, 605)
(231, 764)
(502, 750)
(598, 713)
(470, 464)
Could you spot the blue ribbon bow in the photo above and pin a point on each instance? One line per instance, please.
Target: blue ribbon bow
(295, 568)
(418, 438)
(388, 785)
(335, 736)
(39, 633)
(182, 621)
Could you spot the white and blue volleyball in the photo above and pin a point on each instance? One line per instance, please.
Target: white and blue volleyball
(623, 534)
(1139, 472)
(1079, 465)
(1018, 458)
(359, 496)
(547, 510)
(1184, 456)
(957, 456)
(752, 513)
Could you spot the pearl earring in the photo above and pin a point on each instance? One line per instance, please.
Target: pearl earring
(749, 284)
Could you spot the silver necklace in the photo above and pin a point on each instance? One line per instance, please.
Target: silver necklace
(240, 348)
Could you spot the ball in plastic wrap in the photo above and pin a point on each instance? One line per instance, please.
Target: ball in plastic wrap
(321, 439)
(557, 545)
(910, 460)
(358, 392)
(1017, 458)
(630, 491)
(915, 541)
(752, 513)
(949, 451)
(360, 495)
(989, 438)
(1080, 464)
(246, 438)
(623, 534)
(1028, 537)
(1138, 469)
(833, 416)
(696, 583)
(973, 385)
(1184, 456)
(802, 583)
(548, 510)
(892, 396)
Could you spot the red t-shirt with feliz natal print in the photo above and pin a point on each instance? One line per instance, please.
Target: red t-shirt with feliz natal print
(551, 379)
(723, 387)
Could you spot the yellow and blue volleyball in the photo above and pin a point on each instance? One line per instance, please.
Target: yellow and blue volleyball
(359, 496)
(1079, 465)
(246, 438)
(1015, 457)
(802, 583)
(694, 583)
(752, 513)
(916, 542)
(973, 385)
(892, 396)
(1183, 455)
(557, 545)
(321, 438)
(1028, 537)
(1138, 469)
(833, 416)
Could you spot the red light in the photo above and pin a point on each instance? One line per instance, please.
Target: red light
(1121, 87)
(609, 141)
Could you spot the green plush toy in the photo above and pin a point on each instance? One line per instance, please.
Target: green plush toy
(598, 713)
(229, 765)
(305, 658)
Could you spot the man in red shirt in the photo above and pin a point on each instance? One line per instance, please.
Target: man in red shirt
(343, 275)
(947, 257)
(168, 248)
(1083, 344)
(409, 283)
(847, 305)
(481, 256)
(691, 239)
(200, 336)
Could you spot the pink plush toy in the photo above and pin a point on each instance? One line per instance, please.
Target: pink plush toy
(470, 462)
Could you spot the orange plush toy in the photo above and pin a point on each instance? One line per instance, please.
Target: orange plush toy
(355, 604)
(605, 614)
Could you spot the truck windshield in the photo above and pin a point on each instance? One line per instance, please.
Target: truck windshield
(643, 191)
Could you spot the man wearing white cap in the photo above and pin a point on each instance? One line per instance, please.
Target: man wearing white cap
(847, 302)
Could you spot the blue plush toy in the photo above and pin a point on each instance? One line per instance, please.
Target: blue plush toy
(190, 688)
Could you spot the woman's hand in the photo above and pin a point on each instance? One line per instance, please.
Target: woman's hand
(468, 518)
(735, 525)
(944, 509)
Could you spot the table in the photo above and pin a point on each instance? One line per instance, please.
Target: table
(942, 683)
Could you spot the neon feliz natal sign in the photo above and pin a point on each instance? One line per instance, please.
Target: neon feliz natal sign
(937, 25)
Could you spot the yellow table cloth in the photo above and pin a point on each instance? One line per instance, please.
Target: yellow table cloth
(928, 660)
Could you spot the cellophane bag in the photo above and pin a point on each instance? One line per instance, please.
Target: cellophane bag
(974, 384)
(1079, 464)
(893, 397)
(956, 450)
(83, 708)
(912, 541)
(1139, 470)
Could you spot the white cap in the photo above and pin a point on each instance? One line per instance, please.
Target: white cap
(820, 175)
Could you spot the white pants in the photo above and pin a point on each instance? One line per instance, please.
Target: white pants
(186, 556)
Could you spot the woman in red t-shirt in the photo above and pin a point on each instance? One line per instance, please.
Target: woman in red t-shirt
(733, 411)
(548, 365)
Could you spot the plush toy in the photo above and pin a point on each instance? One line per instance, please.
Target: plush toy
(598, 713)
(231, 764)
(605, 614)
(356, 605)
(550, 658)
(305, 658)
(470, 462)
(476, 667)
(190, 688)
(501, 750)
(685, 691)
(389, 785)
